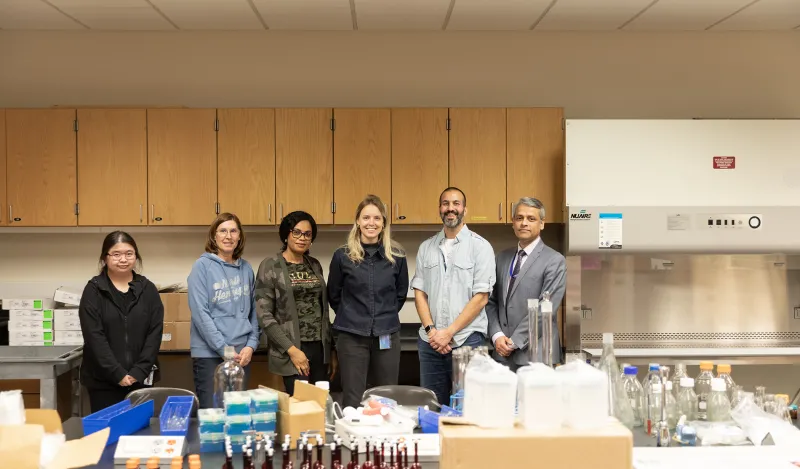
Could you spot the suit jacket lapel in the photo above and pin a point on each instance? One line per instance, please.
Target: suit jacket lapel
(528, 263)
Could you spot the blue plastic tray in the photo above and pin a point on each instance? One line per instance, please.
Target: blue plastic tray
(121, 419)
(429, 420)
(179, 407)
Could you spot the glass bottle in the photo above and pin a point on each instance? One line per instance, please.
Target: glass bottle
(228, 377)
(416, 464)
(680, 372)
(761, 394)
(724, 373)
(702, 387)
(635, 393)
(618, 403)
(330, 418)
(652, 398)
(687, 399)
(287, 460)
(736, 397)
(353, 464)
(782, 407)
(672, 407)
(719, 406)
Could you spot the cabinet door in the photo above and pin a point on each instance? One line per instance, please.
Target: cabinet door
(362, 159)
(304, 162)
(3, 205)
(182, 166)
(536, 159)
(41, 167)
(419, 164)
(246, 164)
(478, 161)
(112, 167)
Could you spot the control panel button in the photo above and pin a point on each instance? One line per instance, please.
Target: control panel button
(754, 222)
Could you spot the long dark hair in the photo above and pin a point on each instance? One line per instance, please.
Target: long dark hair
(111, 240)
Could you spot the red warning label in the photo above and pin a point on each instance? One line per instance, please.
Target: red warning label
(724, 162)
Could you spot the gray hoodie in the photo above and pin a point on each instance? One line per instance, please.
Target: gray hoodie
(222, 305)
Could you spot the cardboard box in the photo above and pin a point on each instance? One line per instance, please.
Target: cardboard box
(303, 412)
(21, 445)
(176, 307)
(66, 324)
(68, 296)
(25, 303)
(466, 446)
(183, 332)
(168, 336)
(41, 315)
(66, 314)
(30, 325)
(68, 337)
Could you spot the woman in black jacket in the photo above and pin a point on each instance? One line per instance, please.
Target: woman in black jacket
(122, 320)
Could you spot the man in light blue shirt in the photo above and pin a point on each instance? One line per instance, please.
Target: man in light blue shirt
(454, 276)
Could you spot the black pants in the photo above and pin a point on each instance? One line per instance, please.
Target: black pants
(204, 369)
(99, 399)
(316, 361)
(362, 362)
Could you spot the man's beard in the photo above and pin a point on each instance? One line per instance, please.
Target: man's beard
(452, 223)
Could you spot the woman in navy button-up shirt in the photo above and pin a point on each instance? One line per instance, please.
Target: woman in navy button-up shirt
(367, 286)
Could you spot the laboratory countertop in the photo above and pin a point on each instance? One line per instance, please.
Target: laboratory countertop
(73, 429)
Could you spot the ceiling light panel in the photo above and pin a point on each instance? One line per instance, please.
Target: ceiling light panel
(685, 15)
(325, 15)
(496, 15)
(590, 15)
(114, 14)
(210, 14)
(30, 14)
(764, 15)
(401, 15)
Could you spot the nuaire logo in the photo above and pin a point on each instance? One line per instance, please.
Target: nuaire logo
(582, 215)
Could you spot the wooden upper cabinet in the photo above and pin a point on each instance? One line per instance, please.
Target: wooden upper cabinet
(362, 159)
(478, 161)
(246, 164)
(182, 166)
(41, 169)
(419, 164)
(3, 205)
(112, 167)
(537, 159)
(304, 162)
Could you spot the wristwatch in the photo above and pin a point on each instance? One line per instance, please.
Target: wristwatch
(429, 328)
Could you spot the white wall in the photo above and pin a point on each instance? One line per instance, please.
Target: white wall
(615, 74)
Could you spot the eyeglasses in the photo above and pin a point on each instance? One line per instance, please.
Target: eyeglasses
(223, 232)
(305, 234)
(119, 255)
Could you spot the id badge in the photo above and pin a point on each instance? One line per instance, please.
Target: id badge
(385, 342)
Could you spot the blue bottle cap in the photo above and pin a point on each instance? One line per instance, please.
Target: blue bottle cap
(631, 370)
(654, 367)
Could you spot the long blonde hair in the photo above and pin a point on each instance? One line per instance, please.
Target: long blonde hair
(391, 249)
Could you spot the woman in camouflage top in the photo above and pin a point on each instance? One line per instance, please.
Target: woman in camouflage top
(292, 305)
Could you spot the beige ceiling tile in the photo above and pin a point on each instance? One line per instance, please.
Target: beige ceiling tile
(503, 15)
(33, 14)
(764, 15)
(210, 14)
(306, 14)
(583, 15)
(685, 15)
(405, 14)
(114, 14)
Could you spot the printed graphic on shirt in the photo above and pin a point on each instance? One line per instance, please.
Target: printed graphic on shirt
(228, 290)
(307, 291)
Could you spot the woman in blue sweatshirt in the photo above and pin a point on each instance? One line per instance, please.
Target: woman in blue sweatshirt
(221, 301)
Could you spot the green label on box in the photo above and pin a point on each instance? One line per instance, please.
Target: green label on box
(47, 325)
(47, 336)
(47, 314)
(48, 344)
(37, 304)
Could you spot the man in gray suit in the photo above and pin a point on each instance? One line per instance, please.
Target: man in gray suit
(525, 271)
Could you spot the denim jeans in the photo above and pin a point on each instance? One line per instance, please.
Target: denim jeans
(204, 369)
(436, 370)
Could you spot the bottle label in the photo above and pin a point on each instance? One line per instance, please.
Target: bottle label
(701, 405)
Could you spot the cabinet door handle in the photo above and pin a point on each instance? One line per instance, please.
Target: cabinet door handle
(281, 211)
(141, 214)
(397, 211)
(269, 214)
(10, 214)
(500, 211)
(153, 212)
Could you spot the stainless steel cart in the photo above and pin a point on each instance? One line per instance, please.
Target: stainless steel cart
(45, 364)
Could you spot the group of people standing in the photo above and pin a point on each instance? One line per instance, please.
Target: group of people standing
(463, 295)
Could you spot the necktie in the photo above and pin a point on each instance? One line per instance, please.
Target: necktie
(514, 274)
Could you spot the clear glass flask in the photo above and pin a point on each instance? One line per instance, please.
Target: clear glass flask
(618, 402)
(652, 398)
(228, 377)
(680, 372)
(635, 393)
